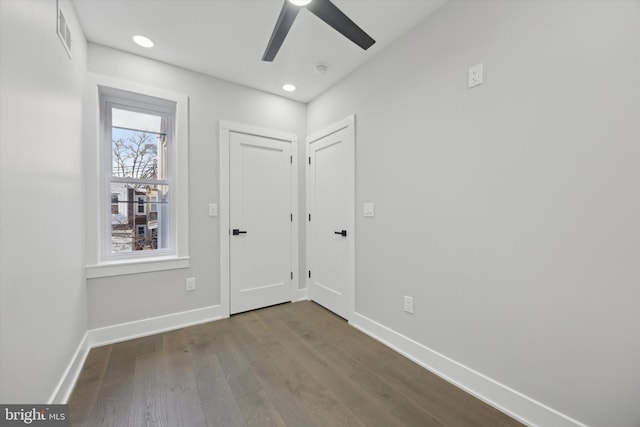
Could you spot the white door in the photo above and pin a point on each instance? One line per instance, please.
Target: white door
(260, 221)
(330, 204)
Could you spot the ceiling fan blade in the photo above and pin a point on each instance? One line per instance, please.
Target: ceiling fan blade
(283, 25)
(333, 16)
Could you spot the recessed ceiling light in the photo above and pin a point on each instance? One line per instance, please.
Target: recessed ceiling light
(143, 41)
(289, 87)
(300, 2)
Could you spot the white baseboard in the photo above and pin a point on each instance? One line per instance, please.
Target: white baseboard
(301, 294)
(68, 381)
(501, 397)
(126, 331)
(153, 325)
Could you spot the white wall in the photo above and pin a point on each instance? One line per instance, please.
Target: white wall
(119, 299)
(42, 288)
(511, 211)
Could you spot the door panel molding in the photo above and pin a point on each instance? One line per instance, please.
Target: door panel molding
(227, 128)
(347, 126)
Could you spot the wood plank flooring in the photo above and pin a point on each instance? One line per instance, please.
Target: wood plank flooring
(287, 365)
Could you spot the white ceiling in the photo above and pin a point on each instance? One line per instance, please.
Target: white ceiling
(226, 38)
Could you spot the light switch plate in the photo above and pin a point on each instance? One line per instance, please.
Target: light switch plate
(369, 209)
(408, 304)
(475, 75)
(213, 209)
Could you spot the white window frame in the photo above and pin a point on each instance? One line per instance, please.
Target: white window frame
(115, 98)
(101, 261)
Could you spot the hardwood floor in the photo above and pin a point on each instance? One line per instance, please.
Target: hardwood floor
(287, 365)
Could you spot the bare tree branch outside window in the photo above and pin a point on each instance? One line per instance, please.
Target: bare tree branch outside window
(136, 156)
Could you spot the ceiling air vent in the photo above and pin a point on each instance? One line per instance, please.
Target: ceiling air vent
(64, 33)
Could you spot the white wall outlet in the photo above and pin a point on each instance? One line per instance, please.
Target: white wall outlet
(408, 304)
(369, 209)
(475, 75)
(190, 284)
(213, 209)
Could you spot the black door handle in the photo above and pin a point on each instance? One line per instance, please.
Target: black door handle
(343, 233)
(237, 232)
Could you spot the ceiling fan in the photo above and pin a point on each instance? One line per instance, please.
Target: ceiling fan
(324, 10)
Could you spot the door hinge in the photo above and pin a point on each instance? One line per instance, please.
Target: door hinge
(309, 217)
(309, 159)
(292, 275)
(291, 217)
(291, 159)
(309, 274)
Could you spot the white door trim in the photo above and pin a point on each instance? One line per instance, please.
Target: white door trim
(226, 127)
(350, 151)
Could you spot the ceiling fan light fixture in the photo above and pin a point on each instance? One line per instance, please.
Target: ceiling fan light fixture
(288, 87)
(300, 2)
(143, 41)
(326, 11)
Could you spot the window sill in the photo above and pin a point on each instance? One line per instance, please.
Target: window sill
(121, 268)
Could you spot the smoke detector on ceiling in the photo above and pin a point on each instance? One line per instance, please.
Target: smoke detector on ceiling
(321, 69)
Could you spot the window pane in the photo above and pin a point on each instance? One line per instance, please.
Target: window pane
(136, 121)
(138, 154)
(114, 203)
(135, 226)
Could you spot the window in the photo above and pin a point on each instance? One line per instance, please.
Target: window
(138, 138)
(115, 201)
(140, 239)
(139, 187)
(141, 205)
